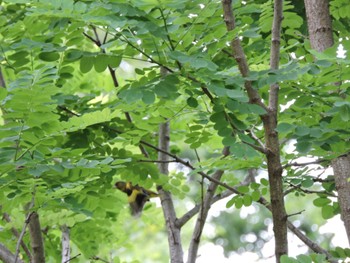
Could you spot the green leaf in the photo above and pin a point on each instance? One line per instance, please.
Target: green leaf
(302, 130)
(3, 93)
(256, 109)
(303, 146)
(49, 56)
(308, 182)
(139, 71)
(247, 200)
(238, 202)
(250, 33)
(101, 62)
(231, 202)
(345, 112)
(255, 195)
(114, 61)
(192, 102)
(148, 97)
(243, 189)
(285, 127)
(327, 211)
(86, 64)
(263, 181)
(286, 259)
(304, 259)
(238, 95)
(321, 201)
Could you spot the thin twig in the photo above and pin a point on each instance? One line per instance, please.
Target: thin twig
(20, 238)
(29, 206)
(306, 163)
(7, 218)
(262, 145)
(157, 161)
(100, 259)
(297, 213)
(294, 187)
(188, 215)
(78, 255)
(98, 43)
(64, 108)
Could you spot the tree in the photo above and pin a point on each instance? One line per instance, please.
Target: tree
(223, 91)
(321, 38)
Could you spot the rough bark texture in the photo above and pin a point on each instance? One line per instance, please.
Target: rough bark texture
(319, 24)
(274, 167)
(321, 38)
(36, 240)
(341, 167)
(174, 237)
(279, 214)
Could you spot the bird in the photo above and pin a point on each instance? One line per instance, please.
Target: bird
(137, 196)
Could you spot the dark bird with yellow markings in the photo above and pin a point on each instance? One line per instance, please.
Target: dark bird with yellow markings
(137, 196)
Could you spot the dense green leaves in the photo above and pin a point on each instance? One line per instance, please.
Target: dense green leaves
(88, 83)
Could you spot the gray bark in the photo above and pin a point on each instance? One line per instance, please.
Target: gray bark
(321, 37)
(341, 168)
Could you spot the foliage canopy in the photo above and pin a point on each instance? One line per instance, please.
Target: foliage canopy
(85, 96)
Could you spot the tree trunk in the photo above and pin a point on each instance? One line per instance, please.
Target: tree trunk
(272, 147)
(65, 244)
(274, 166)
(341, 168)
(319, 24)
(36, 240)
(321, 37)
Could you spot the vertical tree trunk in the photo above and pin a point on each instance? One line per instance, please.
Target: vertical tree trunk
(174, 231)
(272, 150)
(36, 240)
(341, 168)
(319, 24)
(65, 244)
(174, 237)
(321, 37)
(274, 167)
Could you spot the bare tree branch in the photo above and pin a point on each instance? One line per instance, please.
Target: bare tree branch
(308, 242)
(7, 218)
(100, 259)
(203, 213)
(188, 215)
(311, 244)
(306, 191)
(98, 43)
(7, 256)
(306, 163)
(26, 222)
(78, 255)
(239, 56)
